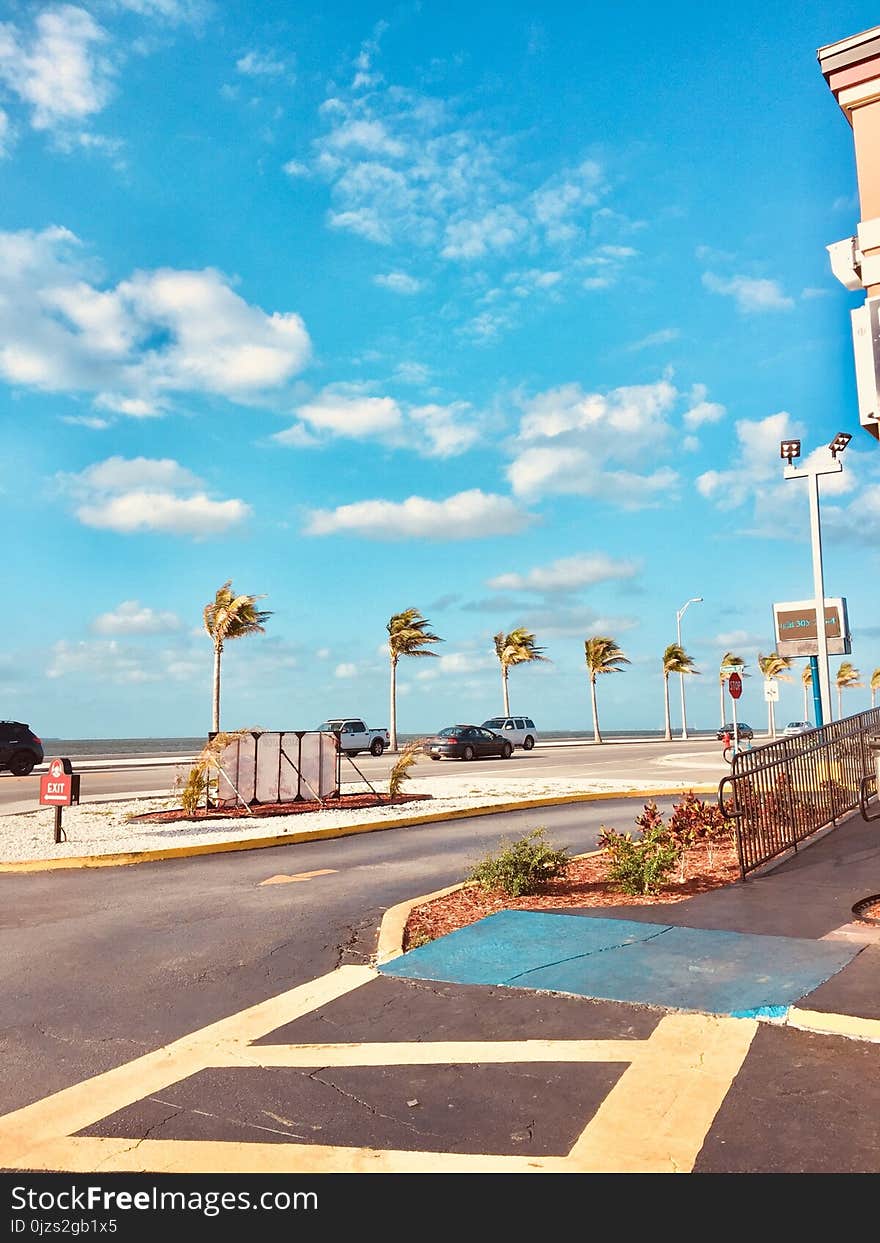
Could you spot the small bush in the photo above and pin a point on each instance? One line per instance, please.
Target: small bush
(521, 867)
(200, 784)
(639, 866)
(400, 772)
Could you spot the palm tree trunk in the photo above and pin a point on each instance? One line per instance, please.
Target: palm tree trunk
(597, 737)
(872, 696)
(505, 690)
(806, 705)
(392, 711)
(668, 734)
(771, 720)
(215, 715)
(839, 705)
(721, 720)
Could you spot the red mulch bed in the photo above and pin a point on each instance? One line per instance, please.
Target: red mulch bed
(343, 802)
(585, 883)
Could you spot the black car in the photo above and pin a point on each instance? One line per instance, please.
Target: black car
(20, 748)
(742, 730)
(467, 742)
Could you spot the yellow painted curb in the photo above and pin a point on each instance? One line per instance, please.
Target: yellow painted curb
(393, 925)
(125, 858)
(848, 1025)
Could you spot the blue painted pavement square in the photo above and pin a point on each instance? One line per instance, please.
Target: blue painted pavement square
(700, 969)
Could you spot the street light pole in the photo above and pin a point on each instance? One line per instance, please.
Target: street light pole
(678, 616)
(791, 449)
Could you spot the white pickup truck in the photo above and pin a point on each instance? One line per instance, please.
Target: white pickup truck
(354, 736)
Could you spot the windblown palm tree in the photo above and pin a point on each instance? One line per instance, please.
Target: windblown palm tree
(602, 656)
(517, 648)
(728, 659)
(229, 616)
(675, 660)
(847, 676)
(875, 684)
(773, 668)
(408, 635)
(807, 680)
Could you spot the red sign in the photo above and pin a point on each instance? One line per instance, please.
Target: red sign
(57, 786)
(735, 685)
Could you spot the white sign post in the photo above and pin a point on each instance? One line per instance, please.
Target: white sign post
(771, 690)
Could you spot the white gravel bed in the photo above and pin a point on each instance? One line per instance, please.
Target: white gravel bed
(101, 828)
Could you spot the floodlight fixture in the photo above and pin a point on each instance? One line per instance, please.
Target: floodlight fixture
(790, 449)
(839, 443)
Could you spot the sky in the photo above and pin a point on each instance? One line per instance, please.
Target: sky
(498, 312)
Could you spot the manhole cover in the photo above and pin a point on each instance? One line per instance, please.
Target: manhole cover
(868, 909)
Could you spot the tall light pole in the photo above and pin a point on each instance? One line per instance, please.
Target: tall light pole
(678, 616)
(791, 449)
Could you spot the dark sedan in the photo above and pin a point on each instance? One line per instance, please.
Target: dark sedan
(467, 742)
(742, 730)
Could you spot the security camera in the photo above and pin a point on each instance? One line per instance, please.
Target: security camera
(846, 262)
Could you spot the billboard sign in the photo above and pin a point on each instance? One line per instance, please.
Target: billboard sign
(794, 625)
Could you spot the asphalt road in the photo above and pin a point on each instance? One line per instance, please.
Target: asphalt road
(99, 966)
(697, 760)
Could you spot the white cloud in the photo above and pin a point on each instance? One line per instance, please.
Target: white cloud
(6, 135)
(105, 660)
(467, 515)
(159, 511)
(132, 617)
(751, 294)
(704, 412)
(261, 65)
(345, 670)
(131, 345)
(445, 430)
(294, 168)
(431, 430)
(59, 71)
(661, 337)
(497, 230)
(457, 664)
(566, 575)
(571, 441)
(398, 282)
(141, 494)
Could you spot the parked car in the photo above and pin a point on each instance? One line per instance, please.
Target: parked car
(797, 727)
(467, 742)
(742, 730)
(20, 748)
(520, 730)
(354, 736)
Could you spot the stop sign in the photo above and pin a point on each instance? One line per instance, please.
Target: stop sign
(735, 685)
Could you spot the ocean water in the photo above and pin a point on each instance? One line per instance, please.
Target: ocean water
(131, 748)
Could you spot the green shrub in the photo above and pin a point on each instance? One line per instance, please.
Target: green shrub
(521, 867)
(639, 867)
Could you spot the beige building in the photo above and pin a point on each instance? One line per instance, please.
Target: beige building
(851, 67)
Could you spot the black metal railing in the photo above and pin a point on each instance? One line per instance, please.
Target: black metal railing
(782, 792)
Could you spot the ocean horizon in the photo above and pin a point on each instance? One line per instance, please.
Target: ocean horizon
(130, 748)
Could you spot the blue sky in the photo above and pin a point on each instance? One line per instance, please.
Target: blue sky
(498, 312)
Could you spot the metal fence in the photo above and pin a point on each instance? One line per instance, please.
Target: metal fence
(784, 791)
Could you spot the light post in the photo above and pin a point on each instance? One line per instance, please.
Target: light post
(678, 616)
(789, 450)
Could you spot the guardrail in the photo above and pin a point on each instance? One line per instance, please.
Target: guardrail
(782, 792)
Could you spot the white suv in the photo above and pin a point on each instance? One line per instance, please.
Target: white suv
(520, 730)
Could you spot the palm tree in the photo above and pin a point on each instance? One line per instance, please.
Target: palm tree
(773, 668)
(847, 676)
(407, 635)
(675, 660)
(807, 680)
(516, 648)
(229, 616)
(728, 659)
(875, 684)
(602, 656)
